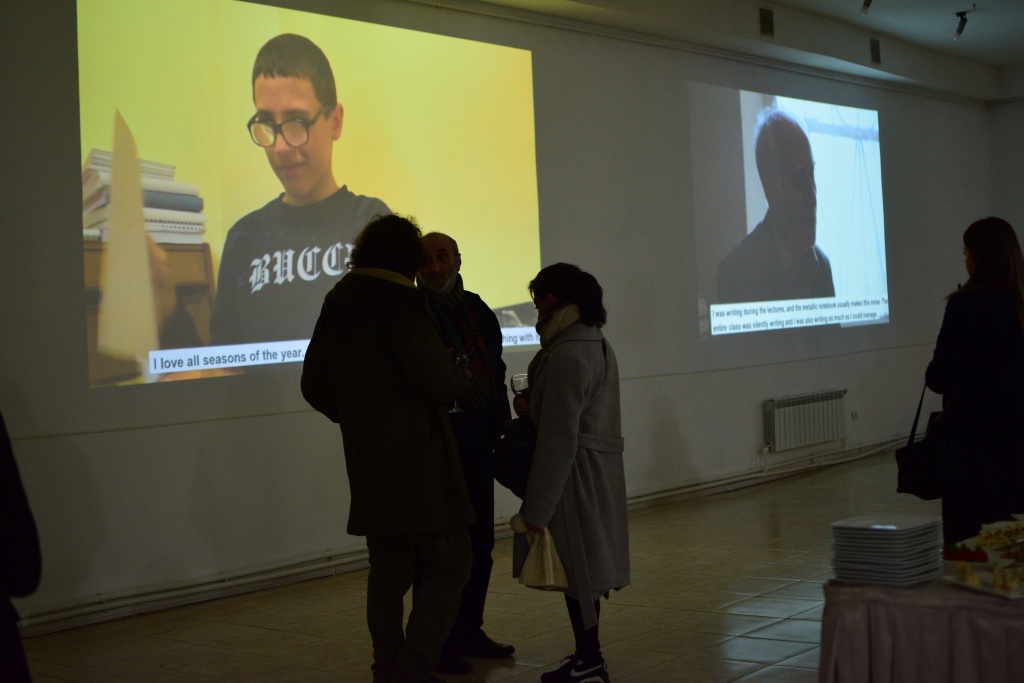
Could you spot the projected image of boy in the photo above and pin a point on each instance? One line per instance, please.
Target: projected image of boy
(779, 259)
(280, 260)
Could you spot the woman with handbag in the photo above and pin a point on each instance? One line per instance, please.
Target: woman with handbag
(576, 487)
(978, 367)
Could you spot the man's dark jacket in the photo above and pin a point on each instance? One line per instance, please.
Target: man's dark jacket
(754, 271)
(376, 366)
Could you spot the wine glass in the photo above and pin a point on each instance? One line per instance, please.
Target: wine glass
(520, 384)
(461, 360)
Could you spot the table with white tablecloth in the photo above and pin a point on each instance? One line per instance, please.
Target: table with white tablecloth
(934, 631)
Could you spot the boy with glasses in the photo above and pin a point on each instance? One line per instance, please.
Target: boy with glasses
(280, 260)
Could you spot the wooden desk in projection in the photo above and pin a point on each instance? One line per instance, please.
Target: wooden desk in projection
(191, 272)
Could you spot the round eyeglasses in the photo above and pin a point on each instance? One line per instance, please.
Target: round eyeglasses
(295, 131)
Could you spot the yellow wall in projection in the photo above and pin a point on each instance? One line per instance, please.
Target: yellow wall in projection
(437, 127)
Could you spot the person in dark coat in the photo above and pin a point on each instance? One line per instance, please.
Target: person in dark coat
(577, 486)
(377, 367)
(978, 367)
(468, 326)
(20, 561)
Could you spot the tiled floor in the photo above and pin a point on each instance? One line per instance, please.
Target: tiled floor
(725, 588)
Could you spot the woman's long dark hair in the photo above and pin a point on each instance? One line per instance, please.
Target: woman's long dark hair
(572, 285)
(998, 261)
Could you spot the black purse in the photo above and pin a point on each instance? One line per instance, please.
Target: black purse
(513, 456)
(931, 467)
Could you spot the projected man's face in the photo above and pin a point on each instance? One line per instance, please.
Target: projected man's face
(791, 192)
(304, 171)
(441, 265)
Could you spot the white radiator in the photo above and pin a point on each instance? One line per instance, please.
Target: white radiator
(796, 421)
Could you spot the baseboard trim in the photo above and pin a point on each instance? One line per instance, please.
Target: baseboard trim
(119, 606)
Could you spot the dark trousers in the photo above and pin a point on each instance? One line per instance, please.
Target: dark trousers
(409, 655)
(588, 644)
(13, 667)
(480, 483)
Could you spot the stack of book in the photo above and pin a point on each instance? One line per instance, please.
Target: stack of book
(173, 211)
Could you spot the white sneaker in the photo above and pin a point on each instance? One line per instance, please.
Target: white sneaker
(575, 670)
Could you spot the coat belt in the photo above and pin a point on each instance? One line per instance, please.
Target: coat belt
(596, 442)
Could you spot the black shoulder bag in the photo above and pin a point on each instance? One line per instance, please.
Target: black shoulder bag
(929, 468)
(513, 456)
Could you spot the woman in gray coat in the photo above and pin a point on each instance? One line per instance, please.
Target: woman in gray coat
(577, 486)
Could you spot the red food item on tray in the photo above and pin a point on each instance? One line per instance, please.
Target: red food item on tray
(961, 553)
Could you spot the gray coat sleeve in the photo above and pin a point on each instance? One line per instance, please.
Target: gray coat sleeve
(556, 403)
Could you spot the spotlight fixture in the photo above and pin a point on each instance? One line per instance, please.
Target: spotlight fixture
(865, 7)
(962, 20)
(960, 25)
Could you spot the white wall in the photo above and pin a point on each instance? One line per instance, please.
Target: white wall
(1007, 139)
(141, 488)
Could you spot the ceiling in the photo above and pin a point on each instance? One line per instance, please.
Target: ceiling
(994, 33)
(915, 36)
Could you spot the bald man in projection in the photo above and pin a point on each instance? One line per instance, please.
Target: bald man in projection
(779, 259)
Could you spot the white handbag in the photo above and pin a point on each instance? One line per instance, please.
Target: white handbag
(542, 569)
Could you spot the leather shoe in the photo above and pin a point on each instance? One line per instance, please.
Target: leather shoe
(480, 645)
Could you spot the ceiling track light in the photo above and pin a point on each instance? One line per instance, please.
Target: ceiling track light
(962, 21)
(865, 7)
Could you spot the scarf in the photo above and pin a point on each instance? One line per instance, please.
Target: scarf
(384, 274)
(556, 321)
(460, 329)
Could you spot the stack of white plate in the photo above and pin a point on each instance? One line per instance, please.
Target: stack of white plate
(889, 549)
